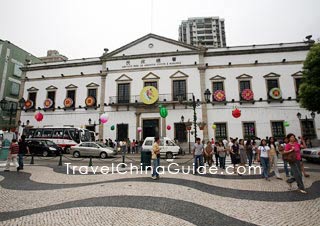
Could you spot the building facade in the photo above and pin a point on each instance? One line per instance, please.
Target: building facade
(12, 58)
(195, 84)
(206, 31)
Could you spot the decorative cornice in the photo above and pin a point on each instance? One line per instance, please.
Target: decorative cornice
(62, 65)
(92, 85)
(217, 77)
(71, 86)
(298, 74)
(51, 88)
(255, 51)
(124, 78)
(272, 75)
(32, 89)
(244, 76)
(150, 76)
(151, 55)
(179, 74)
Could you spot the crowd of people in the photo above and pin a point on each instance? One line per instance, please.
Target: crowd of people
(132, 147)
(265, 152)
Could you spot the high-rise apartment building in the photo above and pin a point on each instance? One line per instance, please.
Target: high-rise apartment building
(207, 31)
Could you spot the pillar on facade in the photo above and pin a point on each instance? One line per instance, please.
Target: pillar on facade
(102, 101)
(202, 69)
(164, 127)
(138, 114)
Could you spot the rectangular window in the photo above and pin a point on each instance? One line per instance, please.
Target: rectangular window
(249, 131)
(278, 129)
(217, 86)
(298, 82)
(221, 131)
(32, 97)
(47, 133)
(154, 84)
(244, 85)
(52, 95)
(124, 93)
(72, 94)
(272, 83)
(179, 89)
(16, 71)
(57, 133)
(308, 128)
(93, 93)
(15, 87)
(38, 133)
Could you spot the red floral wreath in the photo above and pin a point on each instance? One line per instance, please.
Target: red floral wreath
(68, 102)
(90, 101)
(247, 94)
(219, 95)
(28, 104)
(48, 103)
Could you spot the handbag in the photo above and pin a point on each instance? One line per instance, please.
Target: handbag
(289, 156)
(154, 155)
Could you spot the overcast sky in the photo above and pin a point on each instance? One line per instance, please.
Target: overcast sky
(83, 28)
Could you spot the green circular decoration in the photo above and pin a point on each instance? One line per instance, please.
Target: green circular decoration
(163, 112)
(112, 127)
(275, 93)
(286, 124)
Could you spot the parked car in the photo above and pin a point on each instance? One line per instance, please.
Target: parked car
(92, 149)
(168, 148)
(311, 154)
(43, 147)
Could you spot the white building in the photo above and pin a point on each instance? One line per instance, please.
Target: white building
(207, 31)
(178, 71)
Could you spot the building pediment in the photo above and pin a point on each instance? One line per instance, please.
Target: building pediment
(92, 85)
(32, 89)
(51, 88)
(150, 44)
(150, 76)
(71, 86)
(179, 74)
(298, 74)
(217, 77)
(244, 76)
(124, 78)
(271, 75)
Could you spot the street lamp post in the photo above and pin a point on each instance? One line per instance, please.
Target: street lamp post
(188, 125)
(11, 107)
(195, 103)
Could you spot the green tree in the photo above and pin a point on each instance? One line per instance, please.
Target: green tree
(309, 91)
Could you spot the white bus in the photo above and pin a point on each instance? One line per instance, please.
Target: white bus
(65, 137)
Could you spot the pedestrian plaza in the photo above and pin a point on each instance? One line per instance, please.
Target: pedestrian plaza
(44, 194)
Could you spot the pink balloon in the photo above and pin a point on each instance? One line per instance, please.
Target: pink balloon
(139, 129)
(168, 127)
(38, 116)
(104, 118)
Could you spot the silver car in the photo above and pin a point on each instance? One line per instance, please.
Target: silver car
(311, 154)
(92, 149)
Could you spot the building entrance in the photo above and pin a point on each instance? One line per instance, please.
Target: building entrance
(150, 128)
